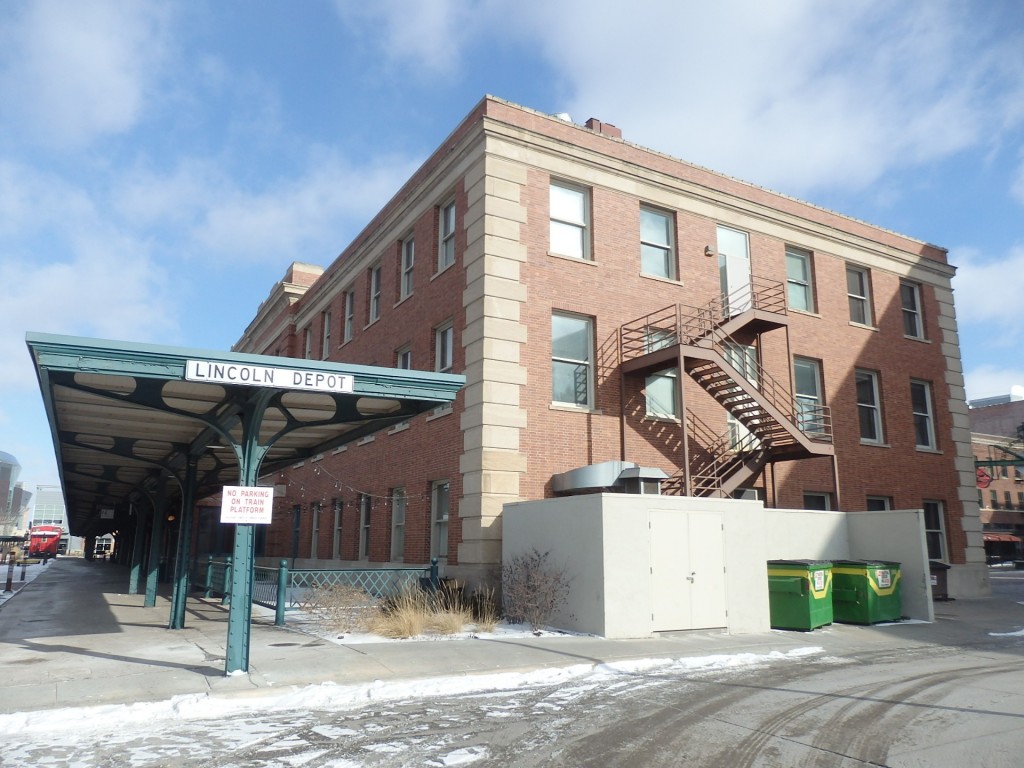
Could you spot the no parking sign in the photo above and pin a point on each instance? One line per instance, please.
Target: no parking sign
(247, 505)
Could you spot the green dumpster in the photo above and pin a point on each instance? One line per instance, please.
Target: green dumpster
(866, 591)
(799, 593)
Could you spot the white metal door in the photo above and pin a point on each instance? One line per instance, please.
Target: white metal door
(687, 570)
(734, 270)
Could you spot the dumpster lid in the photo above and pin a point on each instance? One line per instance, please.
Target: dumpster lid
(803, 563)
(867, 563)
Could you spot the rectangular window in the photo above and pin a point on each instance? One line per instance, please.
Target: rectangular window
(1020, 499)
(921, 404)
(336, 542)
(307, 344)
(446, 243)
(993, 499)
(325, 334)
(570, 214)
(408, 261)
(571, 356)
(858, 292)
(913, 320)
(810, 411)
(879, 503)
(657, 249)
(799, 288)
(662, 394)
(818, 501)
(315, 534)
(350, 315)
(934, 531)
(364, 525)
(403, 358)
(439, 504)
(398, 502)
(375, 280)
(444, 348)
(1008, 499)
(869, 410)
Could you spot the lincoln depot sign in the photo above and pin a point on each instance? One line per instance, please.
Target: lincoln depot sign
(262, 376)
(247, 505)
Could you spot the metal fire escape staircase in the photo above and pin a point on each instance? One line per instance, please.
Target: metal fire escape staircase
(769, 423)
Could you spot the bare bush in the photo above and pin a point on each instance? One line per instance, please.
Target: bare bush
(533, 589)
(483, 604)
(340, 607)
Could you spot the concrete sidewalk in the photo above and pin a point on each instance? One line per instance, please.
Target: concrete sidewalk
(72, 637)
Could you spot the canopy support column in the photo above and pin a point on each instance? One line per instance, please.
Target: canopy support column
(155, 544)
(183, 555)
(138, 544)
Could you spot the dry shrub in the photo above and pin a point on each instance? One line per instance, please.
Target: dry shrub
(340, 607)
(533, 589)
(404, 615)
(485, 610)
(449, 620)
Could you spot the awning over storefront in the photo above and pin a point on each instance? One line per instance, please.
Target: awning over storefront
(1008, 537)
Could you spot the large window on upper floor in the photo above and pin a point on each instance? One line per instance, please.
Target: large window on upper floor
(662, 394)
(572, 355)
(570, 221)
(869, 406)
(375, 291)
(858, 291)
(444, 347)
(799, 283)
(325, 334)
(307, 343)
(657, 243)
(446, 236)
(913, 318)
(408, 260)
(350, 316)
(809, 399)
(924, 419)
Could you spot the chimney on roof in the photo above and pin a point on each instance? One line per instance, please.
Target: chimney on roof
(605, 129)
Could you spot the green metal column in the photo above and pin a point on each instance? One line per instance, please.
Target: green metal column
(183, 555)
(138, 543)
(250, 455)
(155, 543)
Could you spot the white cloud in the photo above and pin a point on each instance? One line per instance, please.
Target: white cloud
(76, 71)
(991, 380)
(988, 288)
(427, 34)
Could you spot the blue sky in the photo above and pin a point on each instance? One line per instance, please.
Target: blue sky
(161, 164)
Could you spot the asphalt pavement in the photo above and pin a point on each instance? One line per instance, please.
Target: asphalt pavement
(72, 637)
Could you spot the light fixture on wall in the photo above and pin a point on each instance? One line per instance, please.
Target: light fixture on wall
(709, 251)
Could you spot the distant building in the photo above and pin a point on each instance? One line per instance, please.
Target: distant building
(997, 442)
(9, 471)
(625, 321)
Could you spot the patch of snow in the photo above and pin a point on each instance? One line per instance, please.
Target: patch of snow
(1018, 633)
(463, 756)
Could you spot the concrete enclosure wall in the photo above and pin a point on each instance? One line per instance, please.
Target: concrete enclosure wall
(605, 544)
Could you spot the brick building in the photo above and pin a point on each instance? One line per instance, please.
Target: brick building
(608, 303)
(997, 440)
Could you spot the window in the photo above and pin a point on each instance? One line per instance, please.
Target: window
(571, 353)
(315, 536)
(444, 348)
(568, 227)
(657, 253)
(819, 501)
(662, 394)
(913, 320)
(798, 279)
(364, 525)
(921, 404)
(810, 413)
(307, 344)
(403, 358)
(408, 260)
(868, 409)
(1020, 500)
(336, 543)
(439, 503)
(879, 503)
(350, 314)
(993, 499)
(857, 291)
(446, 245)
(325, 334)
(1007, 500)
(375, 278)
(398, 501)
(934, 533)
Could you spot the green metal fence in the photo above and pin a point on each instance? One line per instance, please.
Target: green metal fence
(283, 588)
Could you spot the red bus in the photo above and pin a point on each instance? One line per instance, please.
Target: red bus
(44, 540)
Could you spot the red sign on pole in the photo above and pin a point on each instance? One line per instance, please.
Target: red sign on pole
(984, 478)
